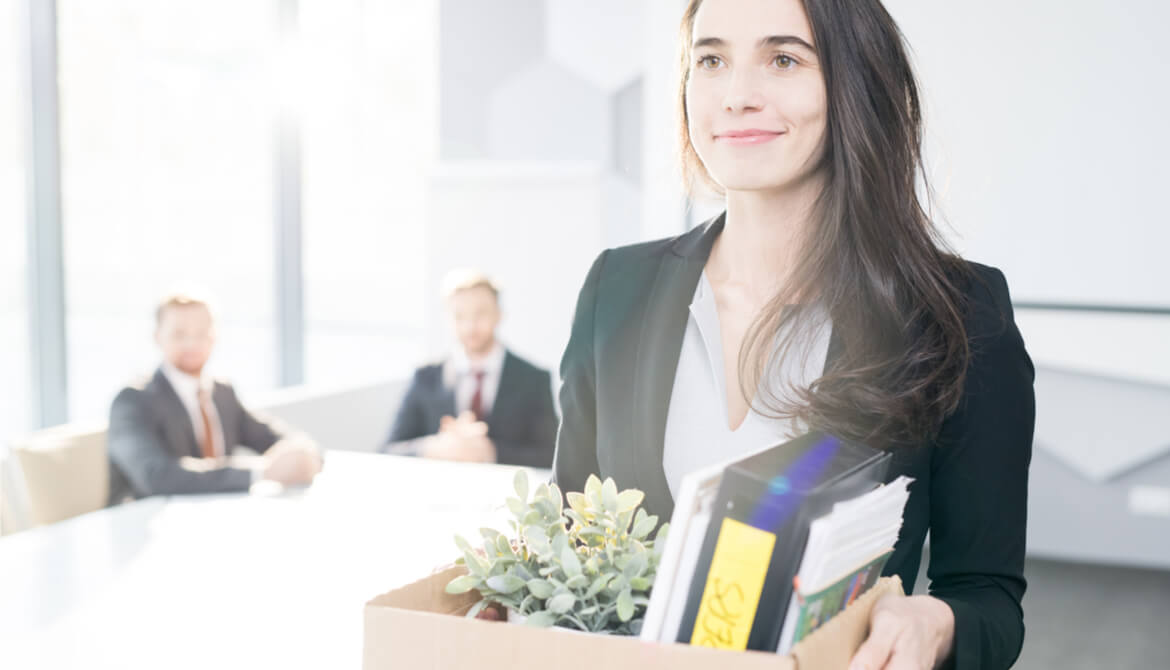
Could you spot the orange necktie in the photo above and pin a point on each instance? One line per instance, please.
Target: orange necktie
(208, 445)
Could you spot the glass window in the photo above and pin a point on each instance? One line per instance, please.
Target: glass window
(167, 133)
(15, 382)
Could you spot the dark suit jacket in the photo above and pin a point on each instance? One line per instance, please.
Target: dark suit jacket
(522, 423)
(150, 431)
(970, 487)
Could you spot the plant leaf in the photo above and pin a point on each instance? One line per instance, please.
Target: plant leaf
(625, 605)
(636, 566)
(559, 604)
(593, 485)
(629, 499)
(517, 508)
(560, 543)
(518, 570)
(541, 619)
(577, 582)
(535, 535)
(462, 584)
(618, 584)
(476, 608)
(570, 563)
(578, 503)
(463, 544)
(591, 530)
(520, 483)
(475, 564)
(596, 586)
(540, 588)
(505, 583)
(660, 536)
(555, 492)
(609, 495)
(623, 521)
(504, 546)
(548, 510)
(642, 528)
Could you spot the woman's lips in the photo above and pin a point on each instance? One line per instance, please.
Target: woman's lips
(747, 137)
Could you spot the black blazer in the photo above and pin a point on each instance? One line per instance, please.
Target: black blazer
(522, 423)
(150, 432)
(970, 489)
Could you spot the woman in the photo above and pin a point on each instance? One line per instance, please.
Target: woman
(821, 298)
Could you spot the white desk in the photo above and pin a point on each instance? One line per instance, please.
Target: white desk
(234, 581)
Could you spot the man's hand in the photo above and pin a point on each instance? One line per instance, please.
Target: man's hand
(292, 462)
(460, 439)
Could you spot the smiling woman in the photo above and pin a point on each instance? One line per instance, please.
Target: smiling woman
(822, 298)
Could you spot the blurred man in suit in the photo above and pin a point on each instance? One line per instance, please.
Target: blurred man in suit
(176, 432)
(483, 404)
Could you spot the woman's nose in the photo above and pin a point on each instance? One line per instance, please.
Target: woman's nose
(742, 93)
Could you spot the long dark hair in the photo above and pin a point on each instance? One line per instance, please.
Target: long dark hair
(880, 271)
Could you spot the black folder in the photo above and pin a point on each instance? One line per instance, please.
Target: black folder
(781, 491)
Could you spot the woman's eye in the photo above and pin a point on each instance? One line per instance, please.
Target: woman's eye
(709, 62)
(784, 62)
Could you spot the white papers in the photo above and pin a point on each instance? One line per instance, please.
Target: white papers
(847, 538)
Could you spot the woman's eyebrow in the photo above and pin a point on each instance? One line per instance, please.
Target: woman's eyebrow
(783, 40)
(769, 41)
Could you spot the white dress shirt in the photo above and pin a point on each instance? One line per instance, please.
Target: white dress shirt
(697, 425)
(459, 374)
(189, 389)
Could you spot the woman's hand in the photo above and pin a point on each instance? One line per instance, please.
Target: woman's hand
(914, 633)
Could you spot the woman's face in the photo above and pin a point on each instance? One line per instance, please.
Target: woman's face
(755, 96)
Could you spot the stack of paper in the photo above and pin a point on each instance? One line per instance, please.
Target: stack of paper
(845, 553)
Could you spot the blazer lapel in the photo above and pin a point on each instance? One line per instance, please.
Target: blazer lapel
(506, 390)
(177, 423)
(445, 393)
(659, 346)
(228, 412)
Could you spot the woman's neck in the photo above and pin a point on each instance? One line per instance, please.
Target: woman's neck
(761, 239)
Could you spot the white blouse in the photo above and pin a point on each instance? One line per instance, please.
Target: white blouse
(697, 432)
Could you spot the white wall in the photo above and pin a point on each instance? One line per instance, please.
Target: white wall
(535, 227)
(561, 147)
(1047, 118)
(1048, 142)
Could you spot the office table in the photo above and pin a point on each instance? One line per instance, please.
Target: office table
(236, 581)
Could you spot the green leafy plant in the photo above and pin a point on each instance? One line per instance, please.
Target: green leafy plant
(589, 566)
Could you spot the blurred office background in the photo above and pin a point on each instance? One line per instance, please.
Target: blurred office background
(318, 165)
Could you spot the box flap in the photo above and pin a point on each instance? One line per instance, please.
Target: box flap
(832, 645)
(429, 594)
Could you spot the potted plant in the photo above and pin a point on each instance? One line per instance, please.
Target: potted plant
(589, 567)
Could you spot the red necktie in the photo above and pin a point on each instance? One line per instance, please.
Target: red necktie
(477, 397)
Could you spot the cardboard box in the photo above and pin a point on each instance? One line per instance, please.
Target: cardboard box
(421, 627)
